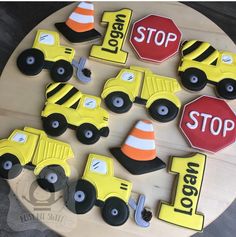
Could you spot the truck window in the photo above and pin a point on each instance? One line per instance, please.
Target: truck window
(228, 59)
(90, 103)
(98, 166)
(127, 76)
(47, 39)
(19, 137)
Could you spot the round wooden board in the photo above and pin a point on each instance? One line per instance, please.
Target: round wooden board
(22, 99)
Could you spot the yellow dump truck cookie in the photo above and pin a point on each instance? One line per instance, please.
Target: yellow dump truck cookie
(157, 93)
(47, 156)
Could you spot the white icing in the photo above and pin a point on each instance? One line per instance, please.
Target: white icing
(228, 126)
(217, 131)
(191, 115)
(204, 122)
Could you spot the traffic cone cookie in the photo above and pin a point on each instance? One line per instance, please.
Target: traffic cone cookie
(80, 25)
(138, 153)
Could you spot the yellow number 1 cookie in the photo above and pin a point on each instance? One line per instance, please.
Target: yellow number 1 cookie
(183, 210)
(111, 48)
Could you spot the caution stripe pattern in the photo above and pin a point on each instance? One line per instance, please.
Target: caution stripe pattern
(140, 144)
(82, 18)
(63, 94)
(200, 51)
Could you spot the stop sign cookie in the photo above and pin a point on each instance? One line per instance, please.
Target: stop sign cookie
(208, 123)
(155, 38)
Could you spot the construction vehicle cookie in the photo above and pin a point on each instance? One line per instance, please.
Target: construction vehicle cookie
(79, 27)
(98, 186)
(157, 93)
(183, 210)
(47, 156)
(138, 153)
(201, 63)
(47, 53)
(66, 107)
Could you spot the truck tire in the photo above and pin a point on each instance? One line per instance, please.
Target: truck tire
(115, 211)
(163, 110)
(52, 178)
(10, 166)
(87, 134)
(193, 79)
(55, 124)
(80, 196)
(61, 71)
(118, 102)
(227, 89)
(31, 62)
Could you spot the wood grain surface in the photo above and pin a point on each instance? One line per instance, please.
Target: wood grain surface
(21, 101)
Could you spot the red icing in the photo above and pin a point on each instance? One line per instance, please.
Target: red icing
(208, 123)
(155, 38)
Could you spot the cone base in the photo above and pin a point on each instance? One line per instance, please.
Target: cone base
(137, 167)
(77, 37)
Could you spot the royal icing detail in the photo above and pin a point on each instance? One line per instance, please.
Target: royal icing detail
(201, 63)
(111, 48)
(155, 38)
(183, 210)
(208, 123)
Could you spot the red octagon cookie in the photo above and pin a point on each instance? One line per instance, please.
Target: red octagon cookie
(208, 123)
(155, 38)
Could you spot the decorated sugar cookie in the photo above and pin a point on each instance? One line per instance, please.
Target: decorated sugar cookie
(183, 210)
(202, 63)
(111, 48)
(142, 86)
(31, 145)
(99, 186)
(155, 38)
(79, 27)
(138, 153)
(47, 53)
(208, 123)
(66, 107)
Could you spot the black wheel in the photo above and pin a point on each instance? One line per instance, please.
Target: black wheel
(118, 102)
(115, 211)
(163, 110)
(227, 89)
(193, 79)
(10, 166)
(30, 62)
(52, 178)
(61, 71)
(55, 124)
(87, 134)
(80, 196)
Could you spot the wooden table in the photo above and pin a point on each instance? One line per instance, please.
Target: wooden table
(22, 99)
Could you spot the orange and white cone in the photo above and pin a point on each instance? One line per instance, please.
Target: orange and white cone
(138, 153)
(80, 25)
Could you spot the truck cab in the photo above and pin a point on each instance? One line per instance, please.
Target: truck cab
(49, 43)
(99, 171)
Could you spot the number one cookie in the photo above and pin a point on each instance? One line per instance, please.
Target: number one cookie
(111, 48)
(183, 211)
